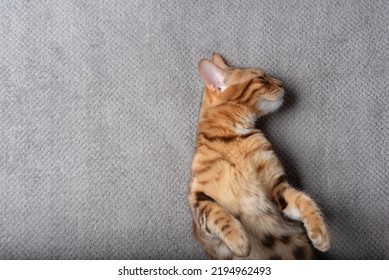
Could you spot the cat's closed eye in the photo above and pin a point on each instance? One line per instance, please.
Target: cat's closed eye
(262, 79)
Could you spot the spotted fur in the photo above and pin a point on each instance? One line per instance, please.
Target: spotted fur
(241, 202)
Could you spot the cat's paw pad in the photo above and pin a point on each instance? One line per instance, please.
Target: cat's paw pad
(320, 239)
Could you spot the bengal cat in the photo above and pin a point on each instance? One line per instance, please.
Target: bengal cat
(241, 202)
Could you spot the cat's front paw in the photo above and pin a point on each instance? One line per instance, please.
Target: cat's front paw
(320, 238)
(239, 244)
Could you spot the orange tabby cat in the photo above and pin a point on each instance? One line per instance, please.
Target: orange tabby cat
(241, 202)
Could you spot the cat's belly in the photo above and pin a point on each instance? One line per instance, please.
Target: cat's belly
(270, 234)
(240, 202)
(272, 237)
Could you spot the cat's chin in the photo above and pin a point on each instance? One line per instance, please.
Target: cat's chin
(267, 106)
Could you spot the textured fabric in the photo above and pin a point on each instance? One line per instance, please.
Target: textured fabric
(99, 104)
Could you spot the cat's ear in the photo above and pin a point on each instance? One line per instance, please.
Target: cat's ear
(218, 60)
(212, 75)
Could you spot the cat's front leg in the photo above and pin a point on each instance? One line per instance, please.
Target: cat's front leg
(297, 205)
(214, 221)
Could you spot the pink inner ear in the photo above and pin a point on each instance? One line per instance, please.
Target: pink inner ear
(213, 76)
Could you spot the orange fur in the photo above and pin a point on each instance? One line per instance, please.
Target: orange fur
(242, 205)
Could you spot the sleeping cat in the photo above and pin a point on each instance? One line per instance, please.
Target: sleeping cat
(241, 202)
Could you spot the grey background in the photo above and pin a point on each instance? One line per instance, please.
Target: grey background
(99, 104)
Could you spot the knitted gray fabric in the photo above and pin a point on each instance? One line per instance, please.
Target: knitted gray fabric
(99, 104)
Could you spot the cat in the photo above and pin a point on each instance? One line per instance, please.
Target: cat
(241, 202)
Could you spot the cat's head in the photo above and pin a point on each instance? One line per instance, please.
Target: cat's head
(251, 87)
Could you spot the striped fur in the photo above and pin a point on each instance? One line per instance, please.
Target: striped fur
(241, 202)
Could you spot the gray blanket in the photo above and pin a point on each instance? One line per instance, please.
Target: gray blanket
(99, 104)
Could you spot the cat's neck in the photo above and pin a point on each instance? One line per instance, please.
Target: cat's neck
(226, 120)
